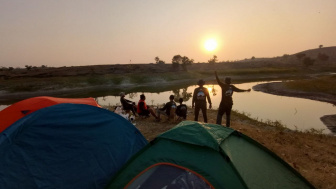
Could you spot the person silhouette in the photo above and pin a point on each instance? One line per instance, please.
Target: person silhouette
(200, 96)
(226, 103)
(181, 110)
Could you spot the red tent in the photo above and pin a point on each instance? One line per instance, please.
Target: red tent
(22, 108)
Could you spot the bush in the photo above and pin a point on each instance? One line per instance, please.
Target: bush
(307, 61)
(300, 55)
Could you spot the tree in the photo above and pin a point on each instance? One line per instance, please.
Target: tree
(185, 62)
(253, 58)
(176, 61)
(213, 60)
(158, 61)
(320, 46)
(28, 67)
(307, 61)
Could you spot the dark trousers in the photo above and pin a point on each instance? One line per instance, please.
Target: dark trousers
(223, 108)
(130, 107)
(198, 107)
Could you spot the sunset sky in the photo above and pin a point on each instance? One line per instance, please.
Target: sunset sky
(85, 32)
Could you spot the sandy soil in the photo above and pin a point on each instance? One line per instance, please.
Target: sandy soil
(278, 88)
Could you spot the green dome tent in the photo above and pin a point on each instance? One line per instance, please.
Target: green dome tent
(197, 155)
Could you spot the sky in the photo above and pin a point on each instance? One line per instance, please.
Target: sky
(60, 33)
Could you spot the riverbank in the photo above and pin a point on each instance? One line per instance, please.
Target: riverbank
(311, 154)
(107, 85)
(18, 84)
(280, 88)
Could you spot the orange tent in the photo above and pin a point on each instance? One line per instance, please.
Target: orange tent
(22, 108)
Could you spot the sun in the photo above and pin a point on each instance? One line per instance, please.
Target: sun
(210, 44)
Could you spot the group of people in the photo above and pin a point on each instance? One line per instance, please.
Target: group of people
(201, 94)
(142, 109)
(199, 101)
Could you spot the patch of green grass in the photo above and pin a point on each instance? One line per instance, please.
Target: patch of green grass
(258, 122)
(96, 80)
(117, 80)
(325, 84)
(139, 78)
(262, 70)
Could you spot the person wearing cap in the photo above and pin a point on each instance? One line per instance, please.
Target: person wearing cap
(226, 103)
(200, 96)
(143, 109)
(127, 104)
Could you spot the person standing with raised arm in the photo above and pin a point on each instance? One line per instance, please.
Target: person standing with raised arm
(200, 96)
(226, 103)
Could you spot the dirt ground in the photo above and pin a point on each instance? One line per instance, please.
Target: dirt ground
(312, 155)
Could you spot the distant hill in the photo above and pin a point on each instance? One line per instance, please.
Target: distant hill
(281, 61)
(313, 53)
(293, 59)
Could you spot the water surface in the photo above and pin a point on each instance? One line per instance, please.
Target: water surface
(295, 113)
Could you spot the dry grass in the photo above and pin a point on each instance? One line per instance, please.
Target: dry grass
(311, 154)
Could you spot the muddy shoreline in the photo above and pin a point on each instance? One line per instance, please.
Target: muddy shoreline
(279, 88)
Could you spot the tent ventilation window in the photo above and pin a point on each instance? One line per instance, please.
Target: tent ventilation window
(168, 176)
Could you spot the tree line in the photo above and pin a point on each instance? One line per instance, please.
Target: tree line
(183, 61)
(309, 61)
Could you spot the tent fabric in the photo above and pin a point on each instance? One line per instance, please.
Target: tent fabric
(22, 108)
(222, 156)
(66, 146)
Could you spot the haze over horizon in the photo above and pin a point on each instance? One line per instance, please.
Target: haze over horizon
(82, 32)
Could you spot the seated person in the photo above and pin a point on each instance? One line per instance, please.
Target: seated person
(167, 107)
(143, 109)
(181, 110)
(127, 104)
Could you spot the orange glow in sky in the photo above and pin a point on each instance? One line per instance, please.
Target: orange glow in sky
(72, 33)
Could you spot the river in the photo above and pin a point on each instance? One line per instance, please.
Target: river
(294, 113)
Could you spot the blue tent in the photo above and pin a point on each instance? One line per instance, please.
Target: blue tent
(66, 146)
